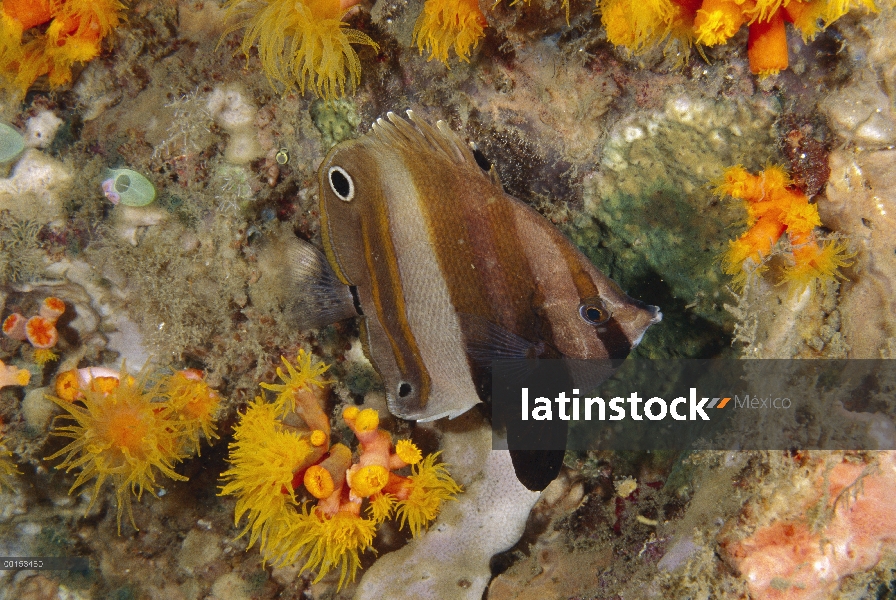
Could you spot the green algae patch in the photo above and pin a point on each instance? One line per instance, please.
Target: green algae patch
(660, 231)
(336, 120)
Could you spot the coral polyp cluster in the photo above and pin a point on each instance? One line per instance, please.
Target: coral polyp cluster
(39, 330)
(417, 498)
(306, 43)
(47, 37)
(193, 402)
(774, 208)
(128, 430)
(265, 456)
(304, 498)
(640, 25)
(302, 44)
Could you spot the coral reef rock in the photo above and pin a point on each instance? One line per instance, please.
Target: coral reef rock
(861, 203)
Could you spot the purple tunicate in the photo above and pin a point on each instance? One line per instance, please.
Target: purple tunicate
(109, 190)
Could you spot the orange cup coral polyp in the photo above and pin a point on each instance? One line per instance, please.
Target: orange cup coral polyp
(14, 327)
(126, 430)
(41, 332)
(120, 435)
(43, 336)
(775, 208)
(52, 308)
(74, 33)
(641, 24)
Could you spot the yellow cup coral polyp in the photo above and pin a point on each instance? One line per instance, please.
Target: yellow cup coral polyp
(123, 435)
(302, 43)
(126, 429)
(774, 208)
(272, 461)
(193, 402)
(444, 24)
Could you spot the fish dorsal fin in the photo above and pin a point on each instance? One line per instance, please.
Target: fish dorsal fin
(417, 135)
(493, 175)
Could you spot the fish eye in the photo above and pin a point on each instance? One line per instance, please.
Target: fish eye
(594, 312)
(341, 183)
(404, 389)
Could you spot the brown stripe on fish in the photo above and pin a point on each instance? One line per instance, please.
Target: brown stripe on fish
(582, 279)
(614, 339)
(610, 333)
(521, 295)
(389, 299)
(433, 322)
(545, 252)
(476, 245)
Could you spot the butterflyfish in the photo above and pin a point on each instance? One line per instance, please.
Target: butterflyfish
(448, 272)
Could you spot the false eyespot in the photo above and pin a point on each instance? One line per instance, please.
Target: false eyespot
(341, 183)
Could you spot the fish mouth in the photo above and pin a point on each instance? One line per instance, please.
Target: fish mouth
(654, 311)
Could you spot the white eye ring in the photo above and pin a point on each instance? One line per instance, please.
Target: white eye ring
(339, 178)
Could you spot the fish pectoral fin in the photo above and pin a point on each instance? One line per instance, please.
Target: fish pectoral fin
(316, 297)
(588, 374)
(487, 341)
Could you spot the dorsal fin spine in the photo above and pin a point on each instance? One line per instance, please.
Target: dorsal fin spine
(413, 131)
